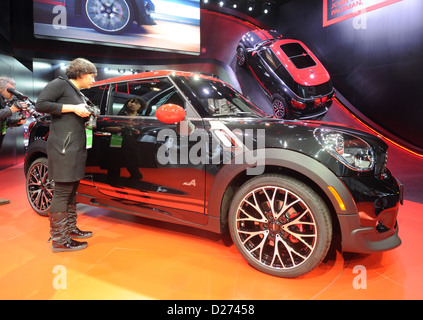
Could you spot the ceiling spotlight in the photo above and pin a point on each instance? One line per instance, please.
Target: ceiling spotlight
(234, 4)
(266, 7)
(251, 5)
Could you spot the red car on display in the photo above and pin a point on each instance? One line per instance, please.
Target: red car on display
(290, 74)
(201, 155)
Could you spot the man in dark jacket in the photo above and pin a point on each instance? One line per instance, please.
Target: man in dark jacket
(6, 111)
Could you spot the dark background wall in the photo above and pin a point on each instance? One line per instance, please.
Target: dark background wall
(378, 68)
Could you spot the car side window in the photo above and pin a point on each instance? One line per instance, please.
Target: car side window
(151, 92)
(97, 95)
(270, 58)
(169, 95)
(286, 77)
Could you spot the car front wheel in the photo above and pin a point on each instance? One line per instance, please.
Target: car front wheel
(110, 17)
(280, 225)
(39, 188)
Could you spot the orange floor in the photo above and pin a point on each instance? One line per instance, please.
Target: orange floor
(135, 258)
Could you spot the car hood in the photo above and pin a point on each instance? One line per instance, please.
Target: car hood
(281, 128)
(298, 136)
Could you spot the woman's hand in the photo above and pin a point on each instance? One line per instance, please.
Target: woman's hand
(78, 109)
(81, 110)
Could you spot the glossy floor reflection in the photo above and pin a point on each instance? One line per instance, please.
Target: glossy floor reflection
(135, 258)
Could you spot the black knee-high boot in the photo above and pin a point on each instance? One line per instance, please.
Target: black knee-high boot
(73, 230)
(60, 235)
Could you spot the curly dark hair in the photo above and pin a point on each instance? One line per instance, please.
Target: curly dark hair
(79, 67)
(140, 101)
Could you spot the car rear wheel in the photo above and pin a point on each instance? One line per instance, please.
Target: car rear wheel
(111, 17)
(280, 108)
(280, 225)
(39, 188)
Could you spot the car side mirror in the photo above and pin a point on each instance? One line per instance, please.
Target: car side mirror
(172, 113)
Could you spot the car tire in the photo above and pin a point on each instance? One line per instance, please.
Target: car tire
(241, 55)
(114, 19)
(39, 188)
(280, 107)
(280, 225)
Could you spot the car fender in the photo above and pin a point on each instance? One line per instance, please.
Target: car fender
(35, 150)
(139, 9)
(286, 159)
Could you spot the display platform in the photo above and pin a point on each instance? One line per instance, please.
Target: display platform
(130, 257)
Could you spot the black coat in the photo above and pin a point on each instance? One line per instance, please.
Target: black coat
(66, 144)
(6, 118)
(4, 114)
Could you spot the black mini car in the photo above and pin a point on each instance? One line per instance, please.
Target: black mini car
(200, 154)
(290, 74)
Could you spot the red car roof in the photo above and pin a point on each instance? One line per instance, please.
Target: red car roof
(308, 76)
(150, 74)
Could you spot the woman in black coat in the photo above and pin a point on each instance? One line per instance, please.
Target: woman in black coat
(66, 149)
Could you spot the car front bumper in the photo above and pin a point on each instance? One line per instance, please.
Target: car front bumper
(374, 227)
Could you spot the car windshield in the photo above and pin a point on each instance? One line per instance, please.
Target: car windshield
(219, 99)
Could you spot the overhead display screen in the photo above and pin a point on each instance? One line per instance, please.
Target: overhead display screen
(166, 25)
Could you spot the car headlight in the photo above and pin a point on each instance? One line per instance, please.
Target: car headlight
(351, 150)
